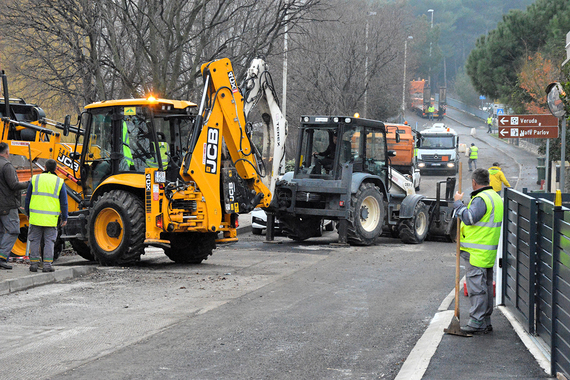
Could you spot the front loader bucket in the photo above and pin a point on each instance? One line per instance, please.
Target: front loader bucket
(443, 225)
(446, 228)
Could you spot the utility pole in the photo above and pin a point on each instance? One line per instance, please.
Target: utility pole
(365, 113)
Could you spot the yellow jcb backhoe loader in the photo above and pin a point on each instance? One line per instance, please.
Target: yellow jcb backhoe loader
(156, 172)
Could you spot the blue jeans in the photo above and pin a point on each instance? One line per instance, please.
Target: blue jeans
(9, 231)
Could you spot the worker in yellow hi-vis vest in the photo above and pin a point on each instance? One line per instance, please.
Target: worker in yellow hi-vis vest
(480, 230)
(46, 202)
(490, 124)
(473, 156)
(431, 110)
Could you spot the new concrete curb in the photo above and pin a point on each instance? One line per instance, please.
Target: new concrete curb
(32, 280)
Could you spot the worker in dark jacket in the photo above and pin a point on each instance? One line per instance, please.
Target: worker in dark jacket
(10, 188)
(327, 155)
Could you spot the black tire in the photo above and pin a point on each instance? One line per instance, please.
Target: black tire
(191, 247)
(58, 247)
(330, 226)
(368, 215)
(117, 228)
(256, 231)
(321, 228)
(82, 249)
(415, 229)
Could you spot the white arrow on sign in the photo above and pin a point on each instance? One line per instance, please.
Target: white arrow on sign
(504, 132)
(503, 120)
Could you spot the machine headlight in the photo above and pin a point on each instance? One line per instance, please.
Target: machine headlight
(450, 165)
(421, 165)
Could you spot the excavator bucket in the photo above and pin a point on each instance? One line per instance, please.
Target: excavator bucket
(442, 224)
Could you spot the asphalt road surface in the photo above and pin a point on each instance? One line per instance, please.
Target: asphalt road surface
(253, 310)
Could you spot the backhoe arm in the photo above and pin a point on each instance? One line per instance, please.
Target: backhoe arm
(259, 92)
(220, 128)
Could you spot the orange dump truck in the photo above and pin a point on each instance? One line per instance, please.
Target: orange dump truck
(416, 91)
(404, 160)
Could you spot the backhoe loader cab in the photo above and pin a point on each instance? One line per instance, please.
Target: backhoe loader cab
(129, 136)
(356, 186)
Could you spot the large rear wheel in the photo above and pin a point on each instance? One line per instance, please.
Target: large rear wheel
(415, 229)
(116, 228)
(368, 215)
(190, 247)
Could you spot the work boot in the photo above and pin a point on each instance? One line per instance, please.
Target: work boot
(4, 264)
(488, 323)
(34, 267)
(48, 268)
(475, 327)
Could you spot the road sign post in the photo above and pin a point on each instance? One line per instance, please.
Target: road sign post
(528, 126)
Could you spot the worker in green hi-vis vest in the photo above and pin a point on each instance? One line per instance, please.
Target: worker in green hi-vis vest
(473, 156)
(431, 110)
(480, 230)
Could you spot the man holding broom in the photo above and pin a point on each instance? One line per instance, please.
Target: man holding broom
(479, 238)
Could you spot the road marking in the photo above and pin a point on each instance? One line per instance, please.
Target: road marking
(418, 360)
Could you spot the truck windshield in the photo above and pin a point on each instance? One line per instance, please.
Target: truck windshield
(437, 142)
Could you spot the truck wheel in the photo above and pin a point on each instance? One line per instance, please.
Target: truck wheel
(191, 247)
(116, 228)
(82, 249)
(368, 213)
(415, 229)
(19, 248)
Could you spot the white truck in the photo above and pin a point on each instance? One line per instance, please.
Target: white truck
(437, 150)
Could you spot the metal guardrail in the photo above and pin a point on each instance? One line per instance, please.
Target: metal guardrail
(536, 270)
(469, 109)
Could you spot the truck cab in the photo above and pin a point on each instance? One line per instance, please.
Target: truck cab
(437, 150)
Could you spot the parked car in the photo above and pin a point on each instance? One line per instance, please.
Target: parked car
(259, 223)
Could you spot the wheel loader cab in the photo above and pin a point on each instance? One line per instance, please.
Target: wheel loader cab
(363, 147)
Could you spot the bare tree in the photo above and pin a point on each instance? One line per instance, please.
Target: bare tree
(80, 51)
(336, 66)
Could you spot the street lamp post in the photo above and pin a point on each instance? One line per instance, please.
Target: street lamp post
(404, 79)
(430, 42)
(364, 113)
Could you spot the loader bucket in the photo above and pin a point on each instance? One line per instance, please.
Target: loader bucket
(442, 225)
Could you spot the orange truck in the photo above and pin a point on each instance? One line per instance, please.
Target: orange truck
(404, 161)
(420, 99)
(416, 91)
